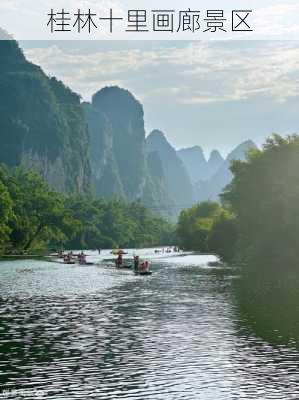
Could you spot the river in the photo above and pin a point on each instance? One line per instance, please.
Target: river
(93, 332)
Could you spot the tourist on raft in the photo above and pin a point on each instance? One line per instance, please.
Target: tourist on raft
(119, 260)
(82, 258)
(144, 267)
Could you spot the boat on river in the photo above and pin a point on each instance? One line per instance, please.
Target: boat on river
(144, 273)
(113, 265)
(117, 252)
(86, 263)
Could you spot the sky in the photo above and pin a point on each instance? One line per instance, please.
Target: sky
(215, 94)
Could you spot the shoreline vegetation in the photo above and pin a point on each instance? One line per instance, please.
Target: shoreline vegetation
(35, 219)
(257, 219)
(99, 173)
(256, 228)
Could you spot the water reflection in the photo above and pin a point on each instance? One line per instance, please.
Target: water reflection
(105, 334)
(267, 296)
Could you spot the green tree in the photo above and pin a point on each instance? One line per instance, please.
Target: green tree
(223, 236)
(33, 217)
(88, 213)
(5, 215)
(195, 224)
(39, 215)
(264, 196)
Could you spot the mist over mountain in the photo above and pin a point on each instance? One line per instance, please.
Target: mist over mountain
(76, 147)
(99, 147)
(194, 161)
(211, 188)
(196, 164)
(214, 163)
(177, 180)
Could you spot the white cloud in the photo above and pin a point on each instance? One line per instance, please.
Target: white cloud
(200, 72)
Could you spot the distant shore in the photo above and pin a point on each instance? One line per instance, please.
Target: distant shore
(13, 257)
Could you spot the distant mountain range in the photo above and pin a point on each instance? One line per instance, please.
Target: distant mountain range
(98, 147)
(178, 183)
(197, 166)
(188, 175)
(209, 187)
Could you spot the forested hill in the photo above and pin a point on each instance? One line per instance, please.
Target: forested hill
(98, 147)
(42, 124)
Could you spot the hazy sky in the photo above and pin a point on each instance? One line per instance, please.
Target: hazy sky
(212, 94)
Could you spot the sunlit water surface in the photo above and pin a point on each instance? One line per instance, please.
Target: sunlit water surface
(74, 332)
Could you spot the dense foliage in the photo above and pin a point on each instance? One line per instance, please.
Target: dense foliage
(205, 227)
(114, 223)
(259, 217)
(33, 217)
(264, 196)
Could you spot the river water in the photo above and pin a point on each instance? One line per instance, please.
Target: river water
(74, 332)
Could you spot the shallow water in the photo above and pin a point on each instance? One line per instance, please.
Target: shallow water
(71, 332)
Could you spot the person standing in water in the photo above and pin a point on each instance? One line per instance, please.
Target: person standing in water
(136, 263)
(119, 259)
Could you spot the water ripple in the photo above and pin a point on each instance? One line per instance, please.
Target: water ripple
(94, 333)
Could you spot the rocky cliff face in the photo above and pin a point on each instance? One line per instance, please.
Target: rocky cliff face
(75, 147)
(42, 124)
(102, 145)
(121, 166)
(105, 177)
(124, 128)
(176, 177)
(156, 192)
